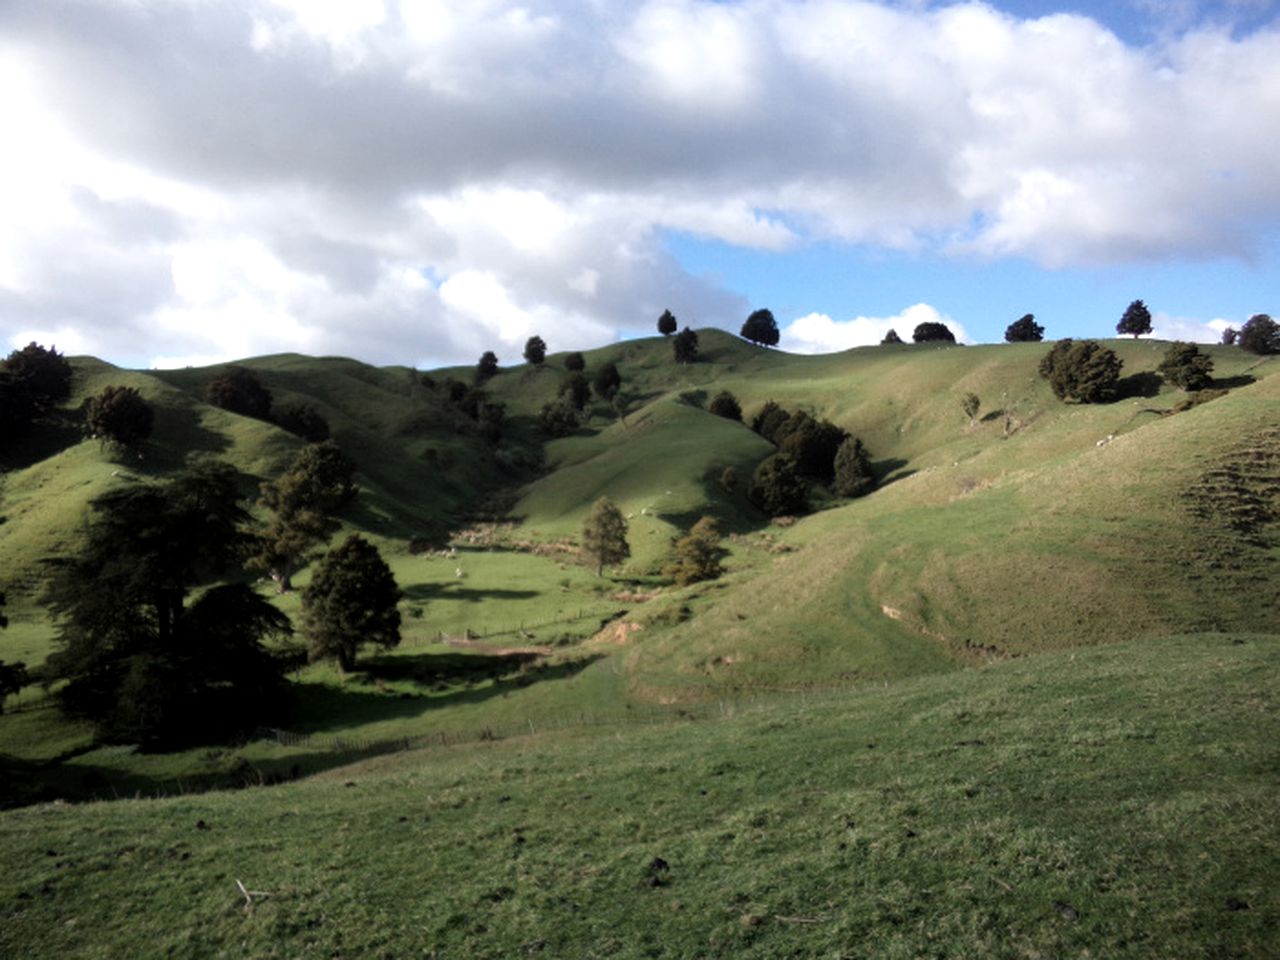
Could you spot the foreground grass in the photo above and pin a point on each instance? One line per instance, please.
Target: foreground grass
(1115, 802)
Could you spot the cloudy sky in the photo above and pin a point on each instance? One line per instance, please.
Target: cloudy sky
(416, 181)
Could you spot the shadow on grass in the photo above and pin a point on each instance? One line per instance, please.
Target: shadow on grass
(992, 416)
(890, 470)
(46, 437)
(457, 590)
(1146, 383)
(1231, 383)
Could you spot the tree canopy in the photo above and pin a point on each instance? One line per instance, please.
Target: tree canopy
(1186, 367)
(1260, 334)
(240, 391)
(303, 501)
(761, 328)
(604, 536)
(302, 420)
(535, 351)
(141, 663)
(487, 366)
(777, 488)
(667, 323)
(891, 337)
(350, 601)
(1082, 370)
(725, 404)
(1136, 320)
(853, 474)
(33, 381)
(1024, 330)
(933, 332)
(575, 362)
(119, 415)
(607, 381)
(685, 345)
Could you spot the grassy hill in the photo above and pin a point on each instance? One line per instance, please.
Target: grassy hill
(1027, 572)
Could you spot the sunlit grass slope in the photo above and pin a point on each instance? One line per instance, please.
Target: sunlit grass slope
(1117, 802)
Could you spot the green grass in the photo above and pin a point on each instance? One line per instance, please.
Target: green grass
(1118, 802)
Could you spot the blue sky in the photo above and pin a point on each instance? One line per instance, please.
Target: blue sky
(418, 181)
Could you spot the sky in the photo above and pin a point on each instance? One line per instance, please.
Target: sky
(186, 182)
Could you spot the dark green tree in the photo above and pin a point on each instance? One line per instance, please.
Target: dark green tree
(303, 501)
(667, 323)
(770, 421)
(1260, 334)
(1024, 330)
(575, 362)
(240, 391)
(575, 390)
(761, 328)
(487, 366)
(777, 488)
(119, 415)
(685, 345)
(607, 382)
(1082, 370)
(853, 474)
(1230, 336)
(933, 332)
(535, 351)
(1186, 367)
(42, 378)
(13, 676)
(134, 657)
(725, 404)
(559, 418)
(604, 536)
(305, 421)
(698, 555)
(811, 444)
(350, 601)
(891, 337)
(1136, 320)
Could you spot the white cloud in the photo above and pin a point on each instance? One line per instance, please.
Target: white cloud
(819, 333)
(185, 178)
(1189, 330)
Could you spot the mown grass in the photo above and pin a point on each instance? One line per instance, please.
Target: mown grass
(1116, 802)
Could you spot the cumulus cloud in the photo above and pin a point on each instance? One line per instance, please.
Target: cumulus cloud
(419, 180)
(819, 333)
(1189, 330)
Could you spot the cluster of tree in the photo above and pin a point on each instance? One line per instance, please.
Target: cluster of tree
(1260, 334)
(564, 415)
(761, 328)
(33, 382)
(479, 412)
(242, 391)
(808, 449)
(698, 555)
(604, 536)
(1082, 370)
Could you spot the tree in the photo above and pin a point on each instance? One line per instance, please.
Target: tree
(139, 662)
(811, 444)
(120, 415)
(725, 404)
(487, 366)
(769, 421)
(575, 362)
(607, 382)
(1136, 320)
(667, 323)
(240, 391)
(13, 676)
(761, 328)
(559, 418)
(933, 332)
(853, 474)
(777, 488)
(1260, 334)
(604, 536)
(1229, 337)
(685, 345)
(1186, 367)
(575, 390)
(891, 337)
(1082, 370)
(304, 499)
(970, 403)
(303, 420)
(535, 351)
(42, 378)
(1024, 330)
(698, 555)
(350, 601)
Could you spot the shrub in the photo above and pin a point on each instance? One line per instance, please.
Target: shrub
(970, 403)
(725, 404)
(1024, 330)
(853, 474)
(1083, 370)
(685, 346)
(120, 415)
(698, 555)
(1186, 367)
(1260, 334)
(240, 391)
(777, 488)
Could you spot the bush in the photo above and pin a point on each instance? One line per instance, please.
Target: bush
(1186, 367)
(575, 362)
(853, 474)
(559, 419)
(725, 404)
(777, 488)
(769, 421)
(120, 415)
(240, 391)
(698, 555)
(1083, 370)
(685, 346)
(933, 332)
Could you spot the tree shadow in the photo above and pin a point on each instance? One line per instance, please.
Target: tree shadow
(992, 416)
(456, 590)
(1231, 383)
(1145, 383)
(890, 470)
(46, 437)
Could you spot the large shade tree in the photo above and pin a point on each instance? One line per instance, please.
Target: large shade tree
(761, 328)
(1260, 334)
(350, 602)
(933, 332)
(1135, 321)
(154, 646)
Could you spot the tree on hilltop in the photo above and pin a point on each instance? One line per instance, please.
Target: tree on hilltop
(604, 536)
(890, 338)
(535, 351)
(487, 366)
(761, 328)
(1186, 367)
(303, 500)
(575, 362)
(933, 332)
(1024, 330)
(667, 323)
(1136, 320)
(685, 345)
(1260, 334)
(350, 601)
